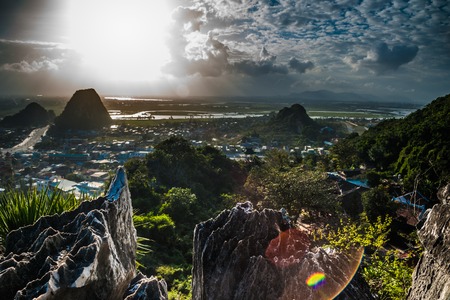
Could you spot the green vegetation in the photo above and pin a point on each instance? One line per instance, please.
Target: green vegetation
(388, 276)
(174, 188)
(178, 186)
(360, 233)
(416, 147)
(377, 202)
(24, 208)
(279, 182)
(413, 152)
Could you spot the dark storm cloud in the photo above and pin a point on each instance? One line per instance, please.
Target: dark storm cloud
(305, 42)
(265, 65)
(298, 66)
(215, 62)
(29, 57)
(32, 20)
(383, 58)
(214, 58)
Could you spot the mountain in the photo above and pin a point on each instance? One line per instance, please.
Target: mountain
(326, 95)
(84, 111)
(31, 116)
(293, 119)
(417, 147)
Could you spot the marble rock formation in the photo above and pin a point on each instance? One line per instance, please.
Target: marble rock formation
(248, 254)
(84, 111)
(87, 253)
(32, 115)
(293, 119)
(431, 277)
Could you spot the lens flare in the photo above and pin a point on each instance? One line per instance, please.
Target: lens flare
(288, 247)
(308, 271)
(316, 280)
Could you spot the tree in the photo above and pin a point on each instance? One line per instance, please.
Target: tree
(377, 202)
(361, 233)
(277, 159)
(388, 276)
(345, 151)
(179, 203)
(295, 189)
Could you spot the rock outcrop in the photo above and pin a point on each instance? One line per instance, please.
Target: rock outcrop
(294, 119)
(431, 277)
(84, 111)
(249, 254)
(31, 116)
(87, 253)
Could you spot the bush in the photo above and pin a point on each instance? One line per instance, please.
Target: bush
(20, 208)
(371, 235)
(377, 202)
(389, 276)
(158, 228)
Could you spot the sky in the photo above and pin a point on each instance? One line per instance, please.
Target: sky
(269, 48)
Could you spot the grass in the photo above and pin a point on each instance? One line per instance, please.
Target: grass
(20, 208)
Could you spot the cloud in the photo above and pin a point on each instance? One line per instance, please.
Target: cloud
(215, 61)
(191, 18)
(383, 58)
(298, 66)
(265, 65)
(30, 56)
(31, 67)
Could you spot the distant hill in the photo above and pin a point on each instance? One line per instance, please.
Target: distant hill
(32, 115)
(416, 147)
(84, 111)
(293, 119)
(326, 95)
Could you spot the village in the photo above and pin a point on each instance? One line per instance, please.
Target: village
(84, 163)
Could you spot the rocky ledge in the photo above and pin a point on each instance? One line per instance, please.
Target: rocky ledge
(248, 254)
(87, 253)
(431, 277)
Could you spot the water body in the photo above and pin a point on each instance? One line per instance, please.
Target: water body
(151, 115)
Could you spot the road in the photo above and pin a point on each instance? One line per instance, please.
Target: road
(29, 142)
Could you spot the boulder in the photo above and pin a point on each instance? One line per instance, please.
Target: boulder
(87, 253)
(248, 254)
(143, 288)
(431, 277)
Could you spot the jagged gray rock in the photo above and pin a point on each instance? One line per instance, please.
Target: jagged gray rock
(143, 288)
(249, 254)
(87, 253)
(431, 277)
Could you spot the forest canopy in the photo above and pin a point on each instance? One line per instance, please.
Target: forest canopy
(416, 148)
